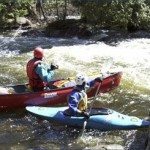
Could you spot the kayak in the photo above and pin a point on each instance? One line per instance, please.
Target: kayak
(20, 96)
(103, 119)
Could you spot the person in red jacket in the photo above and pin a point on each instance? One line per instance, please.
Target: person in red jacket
(38, 73)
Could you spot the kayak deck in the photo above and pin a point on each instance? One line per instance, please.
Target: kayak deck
(104, 120)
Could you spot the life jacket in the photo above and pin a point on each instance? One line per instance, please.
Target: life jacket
(82, 105)
(35, 81)
(83, 101)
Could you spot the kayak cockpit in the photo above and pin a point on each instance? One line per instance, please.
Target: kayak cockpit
(93, 112)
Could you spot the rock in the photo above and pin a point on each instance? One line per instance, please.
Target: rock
(114, 147)
(137, 140)
(68, 28)
(10, 21)
(100, 37)
(33, 33)
(24, 21)
(106, 147)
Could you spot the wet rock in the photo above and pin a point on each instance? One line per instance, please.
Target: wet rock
(33, 33)
(99, 37)
(113, 37)
(106, 147)
(12, 24)
(137, 140)
(68, 28)
(114, 147)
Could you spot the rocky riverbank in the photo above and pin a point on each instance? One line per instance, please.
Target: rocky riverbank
(78, 28)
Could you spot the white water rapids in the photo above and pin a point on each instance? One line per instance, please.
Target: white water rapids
(132, 57)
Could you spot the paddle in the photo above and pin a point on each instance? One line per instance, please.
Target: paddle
(86, 119)
(103, 71)
(98, 88)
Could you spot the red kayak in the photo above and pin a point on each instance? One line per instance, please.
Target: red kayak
(20, 96)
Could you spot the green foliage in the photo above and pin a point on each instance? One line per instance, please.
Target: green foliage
(103, 13)
(116, 13)
(56, 7)
(11, 9)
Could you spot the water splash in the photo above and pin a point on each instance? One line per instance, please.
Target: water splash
(5, 44)
(133, 61)
(132, 57)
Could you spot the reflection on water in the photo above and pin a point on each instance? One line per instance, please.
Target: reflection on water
(19, 130)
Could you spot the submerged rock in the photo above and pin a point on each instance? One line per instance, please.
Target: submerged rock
(137, 140)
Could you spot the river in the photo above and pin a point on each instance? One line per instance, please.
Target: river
(20, 131)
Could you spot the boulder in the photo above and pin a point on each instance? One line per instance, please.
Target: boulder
(24, 21)
(68, 28)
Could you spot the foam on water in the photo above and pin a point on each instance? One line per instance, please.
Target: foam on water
(132, 57)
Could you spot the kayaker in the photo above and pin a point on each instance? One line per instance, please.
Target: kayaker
(77, 100)
(39, 74)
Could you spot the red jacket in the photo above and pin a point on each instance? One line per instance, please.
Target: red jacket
(34, 80)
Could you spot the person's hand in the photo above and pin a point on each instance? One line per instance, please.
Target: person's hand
(98, 79)
(53, 66)
(85, 114)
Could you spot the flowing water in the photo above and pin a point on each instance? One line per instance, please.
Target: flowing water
(19, 130)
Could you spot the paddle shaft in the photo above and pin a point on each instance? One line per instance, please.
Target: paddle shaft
(85, 122)
(98, 88)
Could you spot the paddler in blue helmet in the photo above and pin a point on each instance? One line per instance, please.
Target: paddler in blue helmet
(77, 100)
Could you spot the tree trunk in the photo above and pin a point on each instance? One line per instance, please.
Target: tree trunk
(65, 10)
(32, 12)
(39, 8)
(57, 11)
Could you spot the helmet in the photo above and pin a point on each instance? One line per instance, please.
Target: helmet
(38, 52)
(80, 79)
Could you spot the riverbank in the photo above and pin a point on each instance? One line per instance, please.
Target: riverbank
(72, 28)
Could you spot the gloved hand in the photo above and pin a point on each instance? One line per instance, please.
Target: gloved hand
(53, 67)
(85, 114)
(98, 79)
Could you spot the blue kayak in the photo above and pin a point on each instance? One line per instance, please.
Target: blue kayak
(101, 118)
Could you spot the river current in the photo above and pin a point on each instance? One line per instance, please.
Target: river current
(19, 130)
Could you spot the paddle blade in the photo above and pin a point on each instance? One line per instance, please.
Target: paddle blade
(107, 66)
(83, 129)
